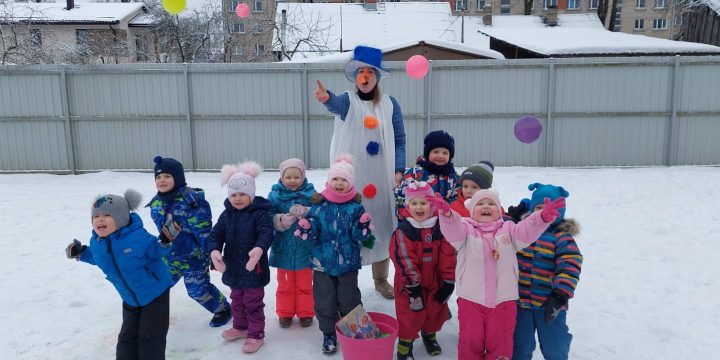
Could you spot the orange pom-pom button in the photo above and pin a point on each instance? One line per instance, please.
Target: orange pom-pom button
(369, 191)
(371, 122)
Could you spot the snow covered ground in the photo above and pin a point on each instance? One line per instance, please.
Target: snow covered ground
(647, 289)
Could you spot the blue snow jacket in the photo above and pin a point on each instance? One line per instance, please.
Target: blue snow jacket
(132, 260)
(235, 234)
(192, 212)
(289, 252)
(336, 235)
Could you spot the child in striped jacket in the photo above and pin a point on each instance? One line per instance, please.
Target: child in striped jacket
(549, 273)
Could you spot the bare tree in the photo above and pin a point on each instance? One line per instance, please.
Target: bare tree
(297, 31)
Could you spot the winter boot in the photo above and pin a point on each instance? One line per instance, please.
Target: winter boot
(404, 349)
(233, 334)
(221, 318)
(252, 345)
(380, 275)
(329, 344)
(306, 321)
(285, 322)
(431, 344)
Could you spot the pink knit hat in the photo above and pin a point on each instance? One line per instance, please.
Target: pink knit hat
(292, 163)
(483, 194)
(417, 188)
(240, 178)
(342, 167)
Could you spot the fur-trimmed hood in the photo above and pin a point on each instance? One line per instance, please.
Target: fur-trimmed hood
(570, 226)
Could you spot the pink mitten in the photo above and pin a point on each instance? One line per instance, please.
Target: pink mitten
(365, 223)
(255, 255)
(303, 229)
(550, 212)
(217, 261)
(298, 211)
(439, 203)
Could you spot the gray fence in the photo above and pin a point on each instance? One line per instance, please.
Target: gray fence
(596, 112)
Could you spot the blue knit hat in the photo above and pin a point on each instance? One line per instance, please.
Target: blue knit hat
(542, 191)
(172, 167)
(436, 139)
(365, 56)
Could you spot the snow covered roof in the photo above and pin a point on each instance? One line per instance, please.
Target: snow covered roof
(399, 22)
(82, 13)
(713, 4)
(561, 41)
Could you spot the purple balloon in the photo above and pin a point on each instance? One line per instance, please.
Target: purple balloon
(528, 129)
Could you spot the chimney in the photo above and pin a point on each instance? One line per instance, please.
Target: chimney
(70, 4)
(487, 15)
(551, 16)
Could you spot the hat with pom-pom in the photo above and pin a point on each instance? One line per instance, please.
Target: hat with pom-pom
(240, 178)
(417, 189)
(292, 163)
(118, 207)
(342, 167)
(481, 173)
(438, 139)
(172, 167)
(542, 191)
(365, 56)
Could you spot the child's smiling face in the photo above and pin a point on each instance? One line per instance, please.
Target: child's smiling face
(486, 210)
(292, 178)
(419, 208)
(340, 185)
(164, 182)
(469, 188)
(103, 224)
(439, 156)
(240, 200)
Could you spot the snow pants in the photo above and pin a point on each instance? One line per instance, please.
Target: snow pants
(554, 337)
(248, 311)
(486, 333)
(428, 320)
(194, 269)
(335, 296)
(144, 330)
(294, 295)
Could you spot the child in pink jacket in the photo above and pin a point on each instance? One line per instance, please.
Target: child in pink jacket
(487, 270)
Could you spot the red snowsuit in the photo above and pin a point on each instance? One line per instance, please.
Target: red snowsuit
(420, 256)
(459, 206)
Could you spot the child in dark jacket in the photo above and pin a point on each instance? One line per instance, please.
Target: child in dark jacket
(337, 226)
(435, 167)
(549, 272)
(424, 272)
(182, 213)
(290, 199)
(238, 247)
(132, 260)
(478, 176)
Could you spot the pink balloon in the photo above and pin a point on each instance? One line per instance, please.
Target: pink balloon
(417, 67)
(242, 10)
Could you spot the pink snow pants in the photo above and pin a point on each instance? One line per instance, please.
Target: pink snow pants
(486, 333)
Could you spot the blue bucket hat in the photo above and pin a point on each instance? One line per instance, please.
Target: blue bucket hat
(365, 56)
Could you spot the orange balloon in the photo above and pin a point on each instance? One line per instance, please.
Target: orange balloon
(371, 122)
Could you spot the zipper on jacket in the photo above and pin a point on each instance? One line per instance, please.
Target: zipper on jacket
(117, 268)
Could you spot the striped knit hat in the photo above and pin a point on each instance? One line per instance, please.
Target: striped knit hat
(481, 173)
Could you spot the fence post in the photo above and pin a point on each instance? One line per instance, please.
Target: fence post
(305, 95)
(188, 117)
(549, 125)
(428, 98)
(69, 139)
(670, 157)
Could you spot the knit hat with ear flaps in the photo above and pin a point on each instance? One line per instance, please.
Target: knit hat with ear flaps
(481, 173)
(436, 139)
(342, 167)
(292, 163)
(240, 178)
(483, 194)
(172, 167)
(542, 191)
(118, 207)
(365, 56)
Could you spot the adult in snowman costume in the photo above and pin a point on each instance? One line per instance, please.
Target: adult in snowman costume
(369, 126)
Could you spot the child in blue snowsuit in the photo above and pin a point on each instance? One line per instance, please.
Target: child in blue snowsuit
(290, 199)
(337, 226)
(238, 246)
(132, 260)
(182, 213)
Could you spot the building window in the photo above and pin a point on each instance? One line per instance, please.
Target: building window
(81, 36)
(238, 28)
(593, 4)
(504, 6)
(547, 3)
(259, 49)
(661, 4)
(659, 24)
(257, 6)
(639, 4)
(36, 37)
(460, 5)
(639, 24)
(237, 50)
(573, 4)
(480, 5)
(234, 4)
